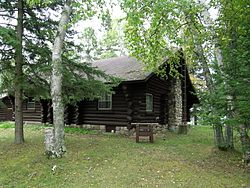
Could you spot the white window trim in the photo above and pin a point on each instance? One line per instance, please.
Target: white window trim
(110, 107)
(149, 94)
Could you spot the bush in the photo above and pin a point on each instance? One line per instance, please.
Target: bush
(6, 125)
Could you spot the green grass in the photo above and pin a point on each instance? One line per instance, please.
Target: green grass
(96, 160)
(75, 130)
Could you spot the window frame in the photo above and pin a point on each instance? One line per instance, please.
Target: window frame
(31, 103)
(152, 102)
(104, 99)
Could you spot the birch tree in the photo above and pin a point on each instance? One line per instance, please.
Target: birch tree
(24, 54)
(233, 34)
(58, 148)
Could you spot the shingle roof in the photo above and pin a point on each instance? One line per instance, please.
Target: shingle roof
(125, 67)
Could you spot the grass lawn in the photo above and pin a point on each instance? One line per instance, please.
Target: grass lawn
(104, 160)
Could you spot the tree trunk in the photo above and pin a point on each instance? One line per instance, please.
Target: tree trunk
(245, 142)
(218, 131)
(58, 148)
(204, 64)
(219, 137)
(229, 137)
(19, 137)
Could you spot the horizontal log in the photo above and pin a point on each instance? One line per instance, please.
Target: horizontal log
(104, 119)
(112, 115)
(129, 118)
(32, 117)
(146, 118)
(112, 111)
(129, 111)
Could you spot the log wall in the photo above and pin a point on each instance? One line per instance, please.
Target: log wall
(88, 112)
(7, 111)
(129, 105)
(159, 89)
(32, 114)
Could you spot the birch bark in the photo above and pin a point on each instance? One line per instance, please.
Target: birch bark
(58, 148)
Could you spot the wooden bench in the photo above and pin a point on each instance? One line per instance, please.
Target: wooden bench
(144, 130)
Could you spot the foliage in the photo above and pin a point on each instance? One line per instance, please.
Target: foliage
(89, 44)
(172, 161)
(38, 33)
(234, 41)
(31, 73)
(228, 103)
(80, 79)
(155, 29)
(110, 44)
(7, 125)
(233, 32)
(217, 50)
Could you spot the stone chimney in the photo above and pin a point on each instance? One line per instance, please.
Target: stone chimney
(175, 104)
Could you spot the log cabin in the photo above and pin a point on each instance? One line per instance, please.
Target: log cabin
(140, 97)
(31, 109)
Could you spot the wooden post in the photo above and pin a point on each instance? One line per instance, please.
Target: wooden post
(130, 109)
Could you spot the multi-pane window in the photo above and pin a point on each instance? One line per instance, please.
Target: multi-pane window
(105, 102)
(149, 102)
(31, 103)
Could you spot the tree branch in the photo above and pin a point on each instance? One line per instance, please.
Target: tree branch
(8, 24)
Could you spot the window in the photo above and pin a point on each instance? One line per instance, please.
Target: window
(31, 103)
(149, 102)
(105, 102)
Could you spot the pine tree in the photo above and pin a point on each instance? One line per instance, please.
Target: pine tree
(39, 31)
(19, 137)
(26, 48)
